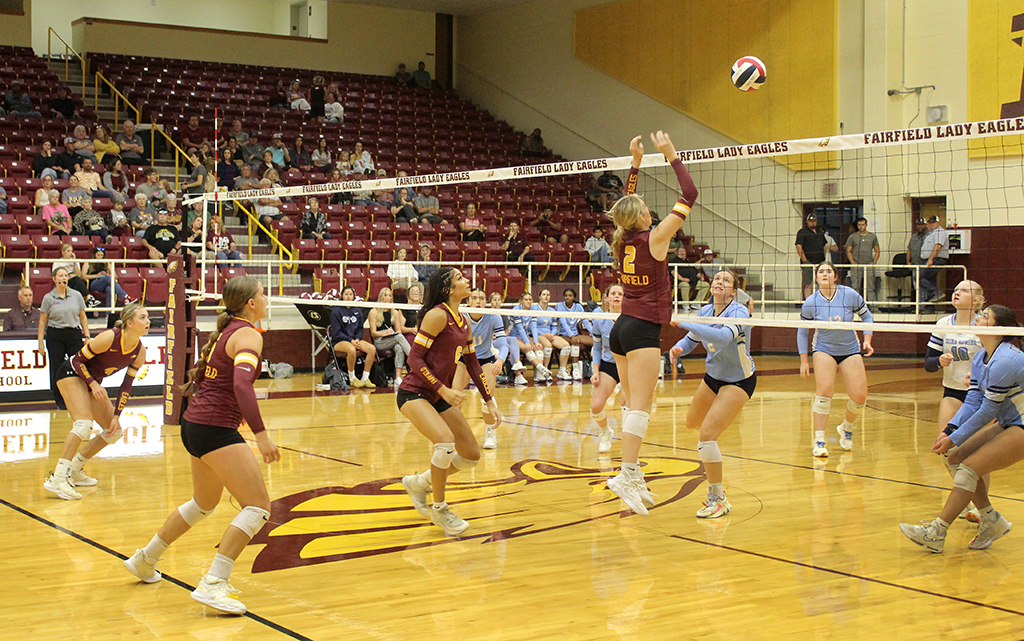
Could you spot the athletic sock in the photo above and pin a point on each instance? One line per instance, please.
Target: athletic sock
(940, 525)
(155, 548)
(221, 568)
(717, 490)
(631, 469)
(819, 436)
(848, 426)
(78, 463)
(989, 513)
(366, 374)
(63, 468)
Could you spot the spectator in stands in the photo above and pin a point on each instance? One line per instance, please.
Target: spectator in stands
(68, 159)
(421, 76)
(198, 175)
(268, 208)
(471, 225)
(363, 197)
(533, 145)
(82, 145)
(195, 211)
(596, 198)
(597, 246)
(252, 151)
(119, 224)
(161, 238)
(3, 201)
(428, 207)
(205, 153)
(812, 245)
(56, 215)
(236, 151)
(234, 133)
(298, 157)
(363, 161)
(317, 98)
(46, 163)
(345, 170)
(401, 272)
(279, 96)
(410, 192)
(402, 207)
(709, 266)
(130, 144)
(90, 181)
(387, 325)
(245, 179)
(546, 225)
(89, 222)
(151, 186)
(142, 215)
(516, 248)
(73, 195)
(321, 158)
(17, 102)
(610, 186)
(403, 77)
(76, 277)
(425, 267)
(62, 106)
(685, 275)
(383, 197)
(337, 176)
(192, 135)
(220, 242)
(193, 235)
(334, 111)
(268, 164)
(297, 99)
(98, 278)
(103, 146)
(314, 221)
(170, 203)
(281, 156)
(227, 170)
(115, 181)
(42, 195)
(24, 317)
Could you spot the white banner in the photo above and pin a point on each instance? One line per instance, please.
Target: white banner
(962, 131)
(24, 369)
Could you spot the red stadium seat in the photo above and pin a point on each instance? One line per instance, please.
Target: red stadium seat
(515, 285)
(381, 250)
(307, 249)
(378, 280)
(326, 279)
(357, 279)
(40, 281)
(47, 247)
(355, 250)
(16, 247)
(130, 281)
(156, 285)
(332, 250)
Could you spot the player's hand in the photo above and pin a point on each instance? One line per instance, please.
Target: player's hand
(115, 425)
(637, 149)
(97, 391)
(452, 397)
(942, 445)
(664, 144)
(495, 412)
(868, 349)
(596, 378)
(497, 366)
(805, 369)
(674, 353)
(946, 360)
(267, 447)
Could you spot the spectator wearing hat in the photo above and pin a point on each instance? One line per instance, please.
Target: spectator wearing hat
(811, 244)
(934, 251)
(709, 266)
(161, 238)
(916, 242)
(68, 159)
(279, 151)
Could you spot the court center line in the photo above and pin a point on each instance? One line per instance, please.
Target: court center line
(181, 584)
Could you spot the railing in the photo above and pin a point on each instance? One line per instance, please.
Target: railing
(118, 99)
(254, 224)
(68, 49)
(29, 263)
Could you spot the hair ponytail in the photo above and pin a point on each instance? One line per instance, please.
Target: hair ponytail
(195, 375)
(127, 314)
(625, 213)
(439, 288)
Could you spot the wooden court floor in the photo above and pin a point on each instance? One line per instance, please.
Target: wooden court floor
(810, 551)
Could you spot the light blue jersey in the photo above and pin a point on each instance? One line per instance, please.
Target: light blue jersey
(485, 331)
(994, 394)
(546, 324)
(845, 304)
(524, 327)
(728, 346)
(602, 349)
(567, 326)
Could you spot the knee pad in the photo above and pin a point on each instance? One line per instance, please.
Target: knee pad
(625, 413)
(709, 452)
(822, 405)
(547, 352)
(192, 513)
(636, 423)
(463, 464)
(574, 351)
(251, 519)
(600, 416)
(82, 429)
(531, 355)
(952, 467)
(855, 408)
(443, 455)
(965, 479)
(113, 438)
(565, 351)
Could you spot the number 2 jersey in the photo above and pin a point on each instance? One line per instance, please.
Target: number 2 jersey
(645, 282)
(962, 347)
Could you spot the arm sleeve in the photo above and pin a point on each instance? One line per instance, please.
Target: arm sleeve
(931, 359)
(247, 370)
(418, 364)
(712, 333)
(597, 350)
(631, 180)
(689, 190)
(687, 344)
(476, 372)
(78, 362)
(533, 329)
(499, 337)
(802, 336)
(126, 389)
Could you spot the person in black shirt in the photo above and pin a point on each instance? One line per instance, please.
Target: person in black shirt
(49, 162)
(161, 238)
(62, 105)
(812, 244)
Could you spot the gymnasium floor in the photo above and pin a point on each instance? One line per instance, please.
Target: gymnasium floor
(810, 551)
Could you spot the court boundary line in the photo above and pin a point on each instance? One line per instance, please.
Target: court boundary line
(112, 552)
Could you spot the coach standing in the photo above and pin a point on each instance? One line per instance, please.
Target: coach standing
(64, 324)
(934, 251)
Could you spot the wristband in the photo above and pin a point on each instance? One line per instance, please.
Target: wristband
(950, 429)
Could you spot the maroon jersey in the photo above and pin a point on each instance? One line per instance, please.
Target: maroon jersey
(101, 365)
(442, 355)
(214, 401)
(648, 292)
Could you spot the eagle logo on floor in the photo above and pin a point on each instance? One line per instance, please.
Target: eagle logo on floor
(339, 523)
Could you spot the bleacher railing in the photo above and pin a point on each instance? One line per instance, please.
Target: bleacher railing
(68, 49)
(33, 263)
(118, 99)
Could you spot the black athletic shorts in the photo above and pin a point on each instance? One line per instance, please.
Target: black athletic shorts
(483, 361)
(629, 333)
(747, 385)
(440, 405)
(66, 371)
(199, 440)
(611, 369)
(840, 359)
(958, 394)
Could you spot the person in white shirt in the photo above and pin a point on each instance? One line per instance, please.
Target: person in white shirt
(934, 251)
(600, 251)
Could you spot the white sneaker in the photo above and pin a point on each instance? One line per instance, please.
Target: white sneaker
(564, 375)
(577, 371)
(219, 595)
(518, 366)
(79, 479)
(443, 517)
(971, 514)
(61, 487)
(140, 565)
(520, 379)
(541, 374)
(819, 450)
(414, 488)
(605, 442)
(989, 531)
(926, 535)
(490, 439)
(628, 490)
(845, 438)
(714, 507)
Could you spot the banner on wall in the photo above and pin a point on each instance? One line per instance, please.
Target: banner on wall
(995, 78)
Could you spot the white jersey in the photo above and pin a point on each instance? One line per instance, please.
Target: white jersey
(963, 347)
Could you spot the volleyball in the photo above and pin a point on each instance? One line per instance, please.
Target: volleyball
(748, 73)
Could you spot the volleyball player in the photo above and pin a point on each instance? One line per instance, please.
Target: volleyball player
(606, 375)
(80, 381)
(426, 396)
(728, 384)
(641, 257)
(222, 396)
(834, 350)
(569, 330)
(512, 345)
(487, 331)
(547, 329)
(997, 374)
(524, 332)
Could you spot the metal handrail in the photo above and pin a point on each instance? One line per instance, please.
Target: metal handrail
(254, 224)
(118, 98)
(67, 59)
